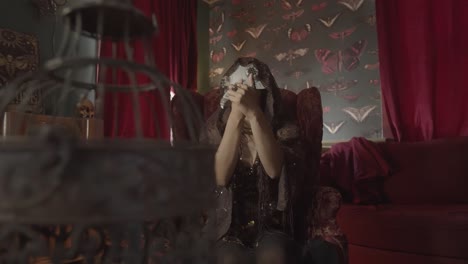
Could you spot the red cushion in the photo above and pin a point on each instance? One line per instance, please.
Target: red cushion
(428, 172)
(428, 230)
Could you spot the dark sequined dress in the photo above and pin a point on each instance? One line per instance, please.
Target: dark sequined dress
(246, 210)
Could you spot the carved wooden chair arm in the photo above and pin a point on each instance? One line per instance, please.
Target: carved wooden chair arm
(324, 225)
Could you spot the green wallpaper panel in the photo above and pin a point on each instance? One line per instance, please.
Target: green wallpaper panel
(328, 44)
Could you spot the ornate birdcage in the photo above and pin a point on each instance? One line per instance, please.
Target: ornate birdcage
(69, 198)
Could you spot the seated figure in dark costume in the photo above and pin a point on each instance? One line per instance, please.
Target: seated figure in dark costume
(259, 169)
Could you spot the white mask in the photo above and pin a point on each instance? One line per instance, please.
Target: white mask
(241, 74)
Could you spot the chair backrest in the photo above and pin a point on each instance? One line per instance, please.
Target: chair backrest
(310, 119)
(304, 108)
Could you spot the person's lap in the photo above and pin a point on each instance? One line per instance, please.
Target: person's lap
(319, 251)
(270, 248)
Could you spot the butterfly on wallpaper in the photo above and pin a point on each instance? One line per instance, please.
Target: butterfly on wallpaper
(342, 34)
(372, 67)
(211, 2)
(278, 29)
(271, 14)
(352, 5)
(269, 3)
(348, 59)
(359, 114)
(298, 35)
(216, 39)
(373, 52)
(255, 32)
(333, 127)
(275, 72)
(294, 15)
(286, 5)
(241, 14)
(326, 109)
(217, 24)
(296, 74)
(267, 45)
(218, 56)
(350, 97)
(232, 34)
(374, 133)
(338, 85)
(251, 20)
(377, 96)
(216, 72)
(374, 82)
(371, 20)
(319, 7)
(239, 46)
(291, 55)
(250, 55)
(329, 21)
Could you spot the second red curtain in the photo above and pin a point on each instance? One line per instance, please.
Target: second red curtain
(423, 47)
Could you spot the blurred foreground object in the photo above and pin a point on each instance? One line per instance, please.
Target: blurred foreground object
(67, 195)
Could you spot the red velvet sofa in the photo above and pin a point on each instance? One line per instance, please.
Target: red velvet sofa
(419, 212)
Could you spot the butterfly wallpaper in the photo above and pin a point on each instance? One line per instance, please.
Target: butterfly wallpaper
(19, 54)
(329, 44)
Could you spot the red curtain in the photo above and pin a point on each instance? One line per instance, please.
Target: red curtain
(423, 46)
(175, 52)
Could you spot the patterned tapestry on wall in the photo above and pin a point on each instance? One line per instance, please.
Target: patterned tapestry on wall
(19, 54)
(328, 44)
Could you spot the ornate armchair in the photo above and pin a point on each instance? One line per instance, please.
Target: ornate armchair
(306, 109)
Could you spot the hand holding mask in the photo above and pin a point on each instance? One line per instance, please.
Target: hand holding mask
(244, 97)
(244, 75)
